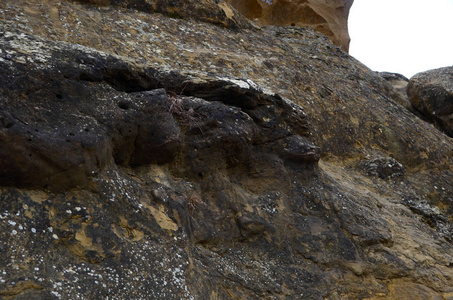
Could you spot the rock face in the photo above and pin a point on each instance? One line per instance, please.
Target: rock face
(328, 17)
(399, 83)
(151, 157)
(431, 94)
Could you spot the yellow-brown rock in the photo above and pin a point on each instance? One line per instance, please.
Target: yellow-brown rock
(328, 17)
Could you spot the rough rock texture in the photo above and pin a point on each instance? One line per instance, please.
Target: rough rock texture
(399, 83)
(326, 16)
(212, 11)
(150, 157)
(431, 94)
(383, 167)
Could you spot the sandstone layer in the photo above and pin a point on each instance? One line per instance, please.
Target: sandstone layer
(328, 17)
(148, 155)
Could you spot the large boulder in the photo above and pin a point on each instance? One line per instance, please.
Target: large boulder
(328, 17)
(431, 93)
(148, 155)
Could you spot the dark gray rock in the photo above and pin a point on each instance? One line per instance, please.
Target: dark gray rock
(385, 167)
(431, 93)
(73, 118)
(299, 149)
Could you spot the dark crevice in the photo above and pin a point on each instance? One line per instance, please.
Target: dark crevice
(124, 105)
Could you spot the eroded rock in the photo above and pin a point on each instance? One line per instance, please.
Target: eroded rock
(66, 128)
(328, 17)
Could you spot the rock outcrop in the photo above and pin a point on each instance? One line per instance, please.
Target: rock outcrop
(431, 94)
(156, 156)
(215, 12)
(328, 17)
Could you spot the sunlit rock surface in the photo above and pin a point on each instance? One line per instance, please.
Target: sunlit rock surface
(157, 156)
(328, 17)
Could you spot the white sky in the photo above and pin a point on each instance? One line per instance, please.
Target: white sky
(402, 36)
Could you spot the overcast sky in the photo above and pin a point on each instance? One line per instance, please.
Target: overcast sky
(402, 36)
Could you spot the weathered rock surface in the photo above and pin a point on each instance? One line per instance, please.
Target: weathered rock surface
(173, 158)
(328, 17)
(399, 83)
(431, 93)
(383, 167)
(216, 12)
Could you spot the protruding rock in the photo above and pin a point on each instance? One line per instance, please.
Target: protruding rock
(299, 149)
(216, 12)
(74, 119)
(431, 93)
(384, 167)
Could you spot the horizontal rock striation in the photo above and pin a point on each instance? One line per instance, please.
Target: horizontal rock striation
(215, 12)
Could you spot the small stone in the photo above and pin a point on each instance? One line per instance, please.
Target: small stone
(383, 168)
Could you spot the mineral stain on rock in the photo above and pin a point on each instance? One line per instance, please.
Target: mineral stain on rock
(152, 151)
